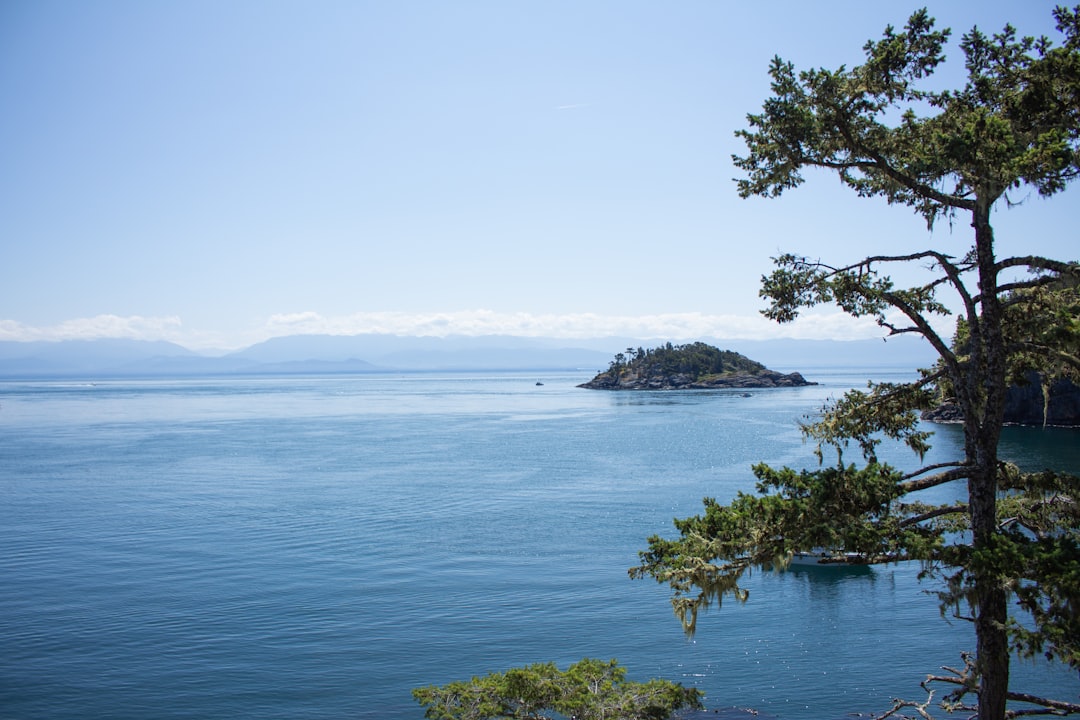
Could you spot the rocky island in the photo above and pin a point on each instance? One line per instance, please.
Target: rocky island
(697, 366)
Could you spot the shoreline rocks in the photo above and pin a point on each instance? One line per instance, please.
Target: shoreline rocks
(1026, 405)
(695, 366)
(680, 381)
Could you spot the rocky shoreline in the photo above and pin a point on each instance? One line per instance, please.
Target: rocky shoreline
(1026, 404)
(679, 381)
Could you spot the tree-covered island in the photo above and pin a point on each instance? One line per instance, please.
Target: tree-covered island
(695, 366)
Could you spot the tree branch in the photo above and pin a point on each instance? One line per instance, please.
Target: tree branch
(1049, 705)
(1037, 262)
(931, 514)
(878, 162)
(1014, 298)
(894, 330)
(920, 325)
(941, 258)
(923, 328)
(1058, 354)
(934, 480)
(928, 468)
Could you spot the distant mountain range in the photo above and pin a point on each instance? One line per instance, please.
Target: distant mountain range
(303, 354)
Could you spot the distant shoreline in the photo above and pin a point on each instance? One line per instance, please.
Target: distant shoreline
(389, 354)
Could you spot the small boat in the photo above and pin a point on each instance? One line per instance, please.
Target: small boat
(539, 383)
(827, 558)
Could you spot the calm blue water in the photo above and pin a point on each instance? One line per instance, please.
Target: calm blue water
(316, 547)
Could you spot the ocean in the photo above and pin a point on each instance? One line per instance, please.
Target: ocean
(318, 546)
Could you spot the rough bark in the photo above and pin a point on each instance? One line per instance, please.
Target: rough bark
(985, 398)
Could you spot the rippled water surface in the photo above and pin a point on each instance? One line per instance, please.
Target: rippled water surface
(316, 547)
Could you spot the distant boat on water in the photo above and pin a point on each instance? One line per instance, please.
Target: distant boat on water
(822, 557)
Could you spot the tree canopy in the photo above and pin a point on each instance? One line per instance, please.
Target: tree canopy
(696, 360)
(1012, 127)
(588, 690)
(694, 366)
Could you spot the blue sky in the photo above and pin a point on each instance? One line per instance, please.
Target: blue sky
(215, 173)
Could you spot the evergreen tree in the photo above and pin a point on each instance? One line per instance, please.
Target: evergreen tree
(1013, 126)
(588, 690)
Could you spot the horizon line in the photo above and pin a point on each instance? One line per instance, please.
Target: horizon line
(664, 327)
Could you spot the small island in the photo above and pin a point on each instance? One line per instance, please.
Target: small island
(696, 366)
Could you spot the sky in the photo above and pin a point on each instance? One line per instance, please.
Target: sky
(216, 173)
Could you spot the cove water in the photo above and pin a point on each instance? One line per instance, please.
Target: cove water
(316, 547)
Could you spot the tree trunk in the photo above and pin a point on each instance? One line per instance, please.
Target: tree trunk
(991, 605)
(986, 386)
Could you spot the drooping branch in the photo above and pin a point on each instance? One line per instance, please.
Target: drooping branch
(863, 417)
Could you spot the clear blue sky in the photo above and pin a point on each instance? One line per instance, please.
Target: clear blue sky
(214, 173)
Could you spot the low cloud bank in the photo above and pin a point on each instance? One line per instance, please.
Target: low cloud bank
(662, 326)
(132, 327)
(673, 327)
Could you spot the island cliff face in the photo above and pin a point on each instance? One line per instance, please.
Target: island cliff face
(688, 367)
(1031, 403)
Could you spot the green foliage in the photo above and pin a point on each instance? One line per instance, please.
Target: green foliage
(1013, 123)
(1043, 326)
(858, 510)
(696, 360)
(1013, 126)
(886, 410)
(587, 690)
(1036, 555)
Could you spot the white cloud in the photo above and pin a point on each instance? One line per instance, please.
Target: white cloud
(676, 327)
(99, 326)
(668, 326)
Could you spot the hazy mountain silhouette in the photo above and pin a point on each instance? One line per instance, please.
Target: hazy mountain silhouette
(375, 353)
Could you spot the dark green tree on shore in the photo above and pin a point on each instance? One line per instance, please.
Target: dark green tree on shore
(950, 155)
(694, 359)
(588, 690)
